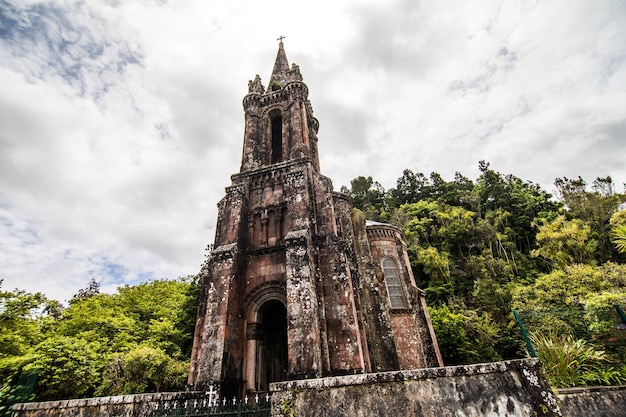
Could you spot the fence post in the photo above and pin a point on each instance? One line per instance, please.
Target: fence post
(620, 312)
(529, 345)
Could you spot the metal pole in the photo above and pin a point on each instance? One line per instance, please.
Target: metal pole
(529, 345)
(620, 312)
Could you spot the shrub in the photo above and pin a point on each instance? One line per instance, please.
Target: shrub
(570, 362)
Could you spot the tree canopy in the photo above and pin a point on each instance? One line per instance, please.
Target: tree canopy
(136, 340)
(480, 249)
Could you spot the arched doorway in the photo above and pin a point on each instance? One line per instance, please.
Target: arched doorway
(271, 364)
(266, 333)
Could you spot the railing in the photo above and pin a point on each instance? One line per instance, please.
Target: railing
(255, 407)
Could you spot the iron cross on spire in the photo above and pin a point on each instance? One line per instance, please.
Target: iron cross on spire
(280, 38)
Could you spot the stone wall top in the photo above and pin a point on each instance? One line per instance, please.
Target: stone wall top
(108, 401)
(406, 375)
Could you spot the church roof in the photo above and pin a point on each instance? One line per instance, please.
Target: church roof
(373, 223)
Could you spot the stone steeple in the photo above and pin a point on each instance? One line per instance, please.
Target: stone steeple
(297, 285)
(281, 68)
(279, 125)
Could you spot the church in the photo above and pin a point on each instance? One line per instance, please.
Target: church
(298, 284)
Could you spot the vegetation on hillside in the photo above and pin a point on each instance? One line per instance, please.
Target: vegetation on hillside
(136, 340)
(479, 249)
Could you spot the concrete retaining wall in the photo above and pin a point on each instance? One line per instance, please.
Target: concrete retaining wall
(510, 388)
(139, 405)
(593, 401)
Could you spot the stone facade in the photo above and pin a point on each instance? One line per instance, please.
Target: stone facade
(511, 388)
(298, 285)
(593, 401)
(500, 389)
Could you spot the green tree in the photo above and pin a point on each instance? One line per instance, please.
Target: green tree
(22, 317)
(69, 367)
(149, 311)
(143, 369)
(523, 200)
(455, 345)
(463, 335)
(619, 237)
(92, 289)
(185, 321)
(563, 242)
(481, 248)
(618, 230)
(408, 188)
(104, 319)
(368, 196)
(576, 300)
(85, 349)
(414, 187)
(595, 207)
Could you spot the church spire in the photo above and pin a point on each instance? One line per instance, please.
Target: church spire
(280, 73)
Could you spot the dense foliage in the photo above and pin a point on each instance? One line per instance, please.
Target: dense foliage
(481, 249)
(136, 340)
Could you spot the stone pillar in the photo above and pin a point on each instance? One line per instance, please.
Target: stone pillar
(217, 353)
(374, 304)
(342, 328)
(303, 332)
(250, 360)
(210, 335)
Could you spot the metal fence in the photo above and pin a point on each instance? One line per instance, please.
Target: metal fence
(17, 391)
(607, 327)
(249, 407)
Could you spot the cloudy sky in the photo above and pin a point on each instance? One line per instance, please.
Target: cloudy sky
(121, 120)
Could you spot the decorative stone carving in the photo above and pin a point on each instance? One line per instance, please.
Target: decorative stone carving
(255, 86)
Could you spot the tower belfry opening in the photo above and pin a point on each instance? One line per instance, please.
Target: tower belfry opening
(297, 285)
(277, 137)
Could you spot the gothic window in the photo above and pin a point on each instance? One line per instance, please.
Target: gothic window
(395, 291)
(277, 138)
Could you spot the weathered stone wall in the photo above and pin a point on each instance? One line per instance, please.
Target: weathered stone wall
(593, 401)
(377, 325)
(412, 331)
(140, 405)
(511, 388)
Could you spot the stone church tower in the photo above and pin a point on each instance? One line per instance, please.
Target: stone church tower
(298, 285)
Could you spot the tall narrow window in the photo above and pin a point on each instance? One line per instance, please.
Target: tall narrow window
(394, 285)
(277, 138)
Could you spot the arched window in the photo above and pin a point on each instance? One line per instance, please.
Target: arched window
(277, 137)
(394, 285)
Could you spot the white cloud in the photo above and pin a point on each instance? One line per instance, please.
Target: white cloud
(121, 122)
